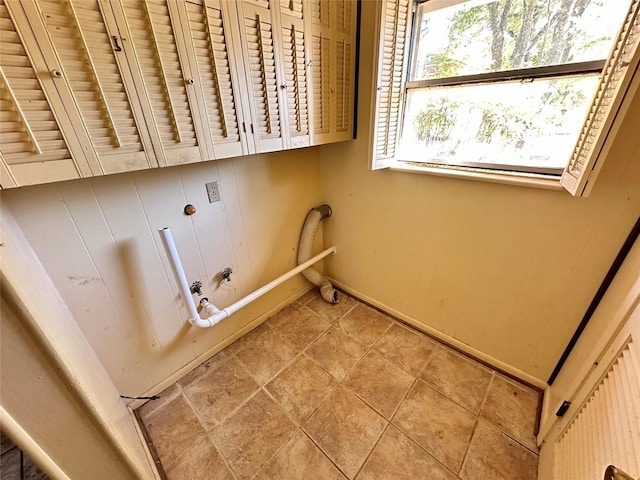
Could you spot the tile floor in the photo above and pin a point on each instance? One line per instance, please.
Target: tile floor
(333, 392)
(15, 464)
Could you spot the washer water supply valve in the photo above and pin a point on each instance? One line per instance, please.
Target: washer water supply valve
(196, 287)
(226, 274)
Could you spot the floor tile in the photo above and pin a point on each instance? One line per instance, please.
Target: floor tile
(301, 388)
(302, 327)
(30, 471)
(300, 459)
(494, 455)
(438, 424)
(332, 312)
(512, 408)
(11, 464)
(311, 295)
(396, 457)
(218, 392)
(162, 399)
(266, 355)
(200, 462)
(458, 377)
(250, 436)
(247, 338)
(336, 351)
(407, 349)
(379, 382)
(174, 429)
(305, 424)
(283, 314)
(211, 364)
(365, 324)
(346, 429)
(6, 444)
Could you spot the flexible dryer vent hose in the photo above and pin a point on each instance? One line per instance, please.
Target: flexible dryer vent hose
(314, 217)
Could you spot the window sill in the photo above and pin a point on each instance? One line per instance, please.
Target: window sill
(506, 178)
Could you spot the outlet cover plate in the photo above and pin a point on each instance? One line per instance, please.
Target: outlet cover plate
(213, 191)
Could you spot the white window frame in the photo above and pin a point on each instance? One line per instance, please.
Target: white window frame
(619, 82)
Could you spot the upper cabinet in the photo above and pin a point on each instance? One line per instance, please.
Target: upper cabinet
(333, 58)
(92, 87)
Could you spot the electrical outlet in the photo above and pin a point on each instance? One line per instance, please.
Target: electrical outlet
(213, 191)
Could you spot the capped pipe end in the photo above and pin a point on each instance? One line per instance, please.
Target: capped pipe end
(325, 211)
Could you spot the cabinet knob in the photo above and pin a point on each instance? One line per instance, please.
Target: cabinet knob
(56, 73)
(191, 81)
(283, 86)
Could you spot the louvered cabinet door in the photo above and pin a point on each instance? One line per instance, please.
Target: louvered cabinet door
(163, 79)
(344, 38)
(33, 148)
(207, 30)
(294, 67)
(321, 70)
(333, 31)
(262, 61)
(87, 45)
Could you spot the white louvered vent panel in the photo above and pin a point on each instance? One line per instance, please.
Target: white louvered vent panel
(27, 124)
(343, 86)
(613, 83)
(262, 70)
(83, 44)
(154, 41)
(321, 70)
(390, 77)
(208, 36)
(610, 78)
(607, 428)
(292, 8)
(295, 79)
(343, 15)
(320, 12)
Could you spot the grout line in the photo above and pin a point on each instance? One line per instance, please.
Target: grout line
(325, 454)
(386, 427)
(192, 406)
(424, 449)
(284, 444)
(486, 395)
(222, 457)
(466, 451)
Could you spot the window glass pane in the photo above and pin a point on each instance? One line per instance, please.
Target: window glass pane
(481, 36)
(516, 124)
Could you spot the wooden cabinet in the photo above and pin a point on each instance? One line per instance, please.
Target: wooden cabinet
(333, 50)
(92, 87)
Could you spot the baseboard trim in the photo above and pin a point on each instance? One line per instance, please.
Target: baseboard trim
(468, 350)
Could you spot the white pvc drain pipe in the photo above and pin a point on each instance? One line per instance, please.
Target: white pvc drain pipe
(214, 315)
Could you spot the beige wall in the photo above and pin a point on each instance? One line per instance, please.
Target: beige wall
(507, 270)
(97, 239)
(37, 398)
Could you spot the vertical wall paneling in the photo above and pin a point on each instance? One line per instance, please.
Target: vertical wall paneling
(97, 238)
(167, 97)
(85, 271)
(156, 316)
(98, 77)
